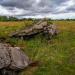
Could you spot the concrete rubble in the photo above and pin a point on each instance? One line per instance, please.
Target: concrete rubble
(12, 59)
(40, 27)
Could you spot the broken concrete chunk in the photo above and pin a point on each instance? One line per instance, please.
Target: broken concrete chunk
(18, 59)
(12, 58)
(4, 56)
(40, 27)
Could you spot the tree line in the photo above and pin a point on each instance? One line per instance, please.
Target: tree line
(5, 18)
(10, 18)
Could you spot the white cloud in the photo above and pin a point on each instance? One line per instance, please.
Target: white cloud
(63, 16)
(16, 11)
(3, 11)
(65, 6)
(53, 16)
(37, 1)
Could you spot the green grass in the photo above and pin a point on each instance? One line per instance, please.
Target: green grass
(56, 57)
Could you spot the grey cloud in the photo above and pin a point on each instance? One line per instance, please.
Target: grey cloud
(71, 9)
(33, 8)
(27, 4)
(17, 3)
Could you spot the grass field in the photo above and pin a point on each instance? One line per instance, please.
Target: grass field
(56, 57)
(8, 27)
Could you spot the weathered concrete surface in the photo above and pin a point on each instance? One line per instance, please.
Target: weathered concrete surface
(18, 58)
(4, 56)
(30, 30)
(12, 59)
(40, 27)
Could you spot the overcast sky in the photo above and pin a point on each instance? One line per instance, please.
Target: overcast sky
(38, 8)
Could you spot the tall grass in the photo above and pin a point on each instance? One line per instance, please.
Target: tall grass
(56, 57)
